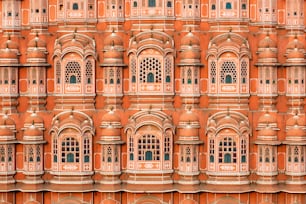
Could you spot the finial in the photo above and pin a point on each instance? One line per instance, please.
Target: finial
(111, 108)
(228, 111)
(189, 108)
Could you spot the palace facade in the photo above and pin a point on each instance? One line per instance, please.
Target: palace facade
(152, 102)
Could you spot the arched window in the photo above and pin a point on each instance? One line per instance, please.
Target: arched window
(296, 154)
(149, 156)
(73, 72)
(58, 72)
(31, 154)
(227, 150)
(70, 157)
(152, 3)
(267, 155)
(72, 79)
(109, 154)
(189, 76)
(150, 77)
(10, 153)
(149, 148)
(6, 76)
(86, 150)
(75, 6)
(150, 70)
(228, 72)
(228, 5)
(89, 72)
(167, 147)
(213, 7)
(211, 150)
(54, 150)
(38, 154)
(70, 150)
(227, 158)
(188, 154)
(228, 79)
(131, 148)
(2, 154)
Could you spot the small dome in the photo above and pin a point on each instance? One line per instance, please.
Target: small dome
(9, 44)
(34, 118)
(111, 116)
(267, 132)
(113, 56)
(36, 54)
(188, 134)
(296, 54)
(298, 120)
(6, 121)
(33, 133)
(190, 40)
(37, 42)
(267, 54)
(296, 131)
(113, 40)
(6, 132)
(8, 54)
(267, 118)
(267, 42)
(110, 131)
(113, 49)
(295, 43)
(189, 117)
(190, 53)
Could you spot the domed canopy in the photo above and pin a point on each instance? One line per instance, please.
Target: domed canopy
(7, 129)
(113, 50)
(267, 42)
(188, 128)
(9, 44)
(298, 119)
(295, 43)
(190, 40)
(37, 51)
(34, 119)
(267, 132)
(111, 127)
(267, 54)
(295, 52)
(5, 132)
(113, 40)
(189, 117)
(33, 133)
(9, 52)
(295, 128)
(111, 116)
(190, 49)
(267, 118)
(295, 133)
(37, 42)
